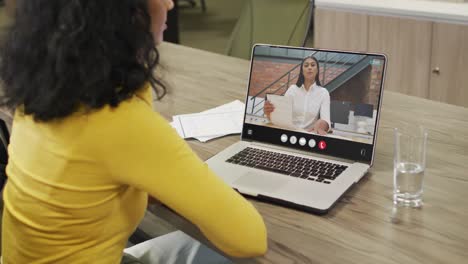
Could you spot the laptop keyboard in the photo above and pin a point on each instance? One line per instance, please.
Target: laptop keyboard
(313, 170)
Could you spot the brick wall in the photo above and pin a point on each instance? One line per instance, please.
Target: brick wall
(330, 74)
(355, 90)
(266, 72)
(360, 89)
(376, 79)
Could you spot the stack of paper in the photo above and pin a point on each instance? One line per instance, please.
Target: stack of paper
(216, 122)
(283, 114)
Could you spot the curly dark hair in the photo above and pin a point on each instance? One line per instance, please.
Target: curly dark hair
(62, 54)
(300, 79)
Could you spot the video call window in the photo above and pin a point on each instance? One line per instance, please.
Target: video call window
(334, 94)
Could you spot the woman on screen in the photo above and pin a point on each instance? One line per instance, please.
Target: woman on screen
(87, 149)
(311, 102)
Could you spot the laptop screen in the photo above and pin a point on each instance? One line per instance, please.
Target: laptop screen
(318, 100)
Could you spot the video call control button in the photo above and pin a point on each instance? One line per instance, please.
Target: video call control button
(322, 145)
(312, 143)
(293, 140)
(363, 152)
(284, 138)
(302, 141)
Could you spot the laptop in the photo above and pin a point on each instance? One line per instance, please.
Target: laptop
(295, 166)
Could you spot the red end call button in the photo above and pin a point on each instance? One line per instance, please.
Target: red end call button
(322, 145)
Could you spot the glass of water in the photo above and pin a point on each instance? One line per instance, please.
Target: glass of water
(409, 165)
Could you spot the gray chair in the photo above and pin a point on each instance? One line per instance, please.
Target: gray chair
(277, 22)
(366, 110)
(363, 114)
(339, 112)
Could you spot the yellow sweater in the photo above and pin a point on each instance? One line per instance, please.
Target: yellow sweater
(78, 187)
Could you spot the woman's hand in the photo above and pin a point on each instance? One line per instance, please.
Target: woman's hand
(320, 127)
(268, 108)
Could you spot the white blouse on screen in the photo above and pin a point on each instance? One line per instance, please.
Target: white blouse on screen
(309, 106)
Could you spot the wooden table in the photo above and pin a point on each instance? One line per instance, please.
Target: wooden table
(364, 227)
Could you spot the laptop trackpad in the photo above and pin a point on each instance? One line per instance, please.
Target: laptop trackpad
(255, 183)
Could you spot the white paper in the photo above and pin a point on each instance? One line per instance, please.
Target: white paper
(282, 115)
(210, 124)
(176, 125)
(232, 106)
(216, 122)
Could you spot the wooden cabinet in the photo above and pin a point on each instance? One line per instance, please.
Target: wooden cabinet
(407, 44)
(449, 64)
(426, 59)
(339, 30)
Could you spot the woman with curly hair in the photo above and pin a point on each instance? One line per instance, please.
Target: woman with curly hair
(87, 149)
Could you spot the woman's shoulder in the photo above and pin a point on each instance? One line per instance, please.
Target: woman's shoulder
(133, 113)
(293, 88)
(323, 90)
